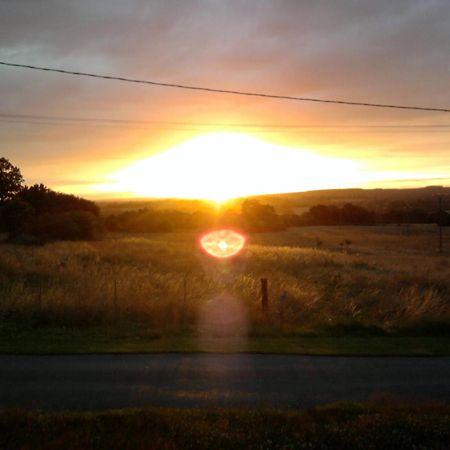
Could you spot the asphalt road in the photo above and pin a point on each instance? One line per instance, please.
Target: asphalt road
(92, 382)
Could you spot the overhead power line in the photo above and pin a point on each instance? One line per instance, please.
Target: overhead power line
(224, 91)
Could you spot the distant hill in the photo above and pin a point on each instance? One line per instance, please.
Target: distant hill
(426, 198)
(376, 199)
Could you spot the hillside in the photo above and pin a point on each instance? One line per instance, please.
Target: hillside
(425, 198)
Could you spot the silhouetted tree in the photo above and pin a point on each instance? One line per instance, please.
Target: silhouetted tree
(333, 215)
(292, 220)
(15, 215)
(356, 215)
(72, 225)
(258, 217)
(324, 215)
(11, 180)
(44, 200)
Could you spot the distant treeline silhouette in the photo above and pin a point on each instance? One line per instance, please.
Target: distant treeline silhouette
(257, 217)
(33, 214)
(253, 216)
(350, 214)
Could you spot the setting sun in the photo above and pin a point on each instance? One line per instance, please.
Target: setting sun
(222, 166)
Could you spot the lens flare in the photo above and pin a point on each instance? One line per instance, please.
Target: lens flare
(222, 243)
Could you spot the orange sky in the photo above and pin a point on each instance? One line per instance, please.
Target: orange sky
(372, 51)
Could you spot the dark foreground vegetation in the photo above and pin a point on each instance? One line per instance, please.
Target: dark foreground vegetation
(432, 339)
(36, 214)
(341, 426)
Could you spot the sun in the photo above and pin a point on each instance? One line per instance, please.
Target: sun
(223, 166)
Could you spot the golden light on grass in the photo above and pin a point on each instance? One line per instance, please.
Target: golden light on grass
(222, 243)
(223, 166)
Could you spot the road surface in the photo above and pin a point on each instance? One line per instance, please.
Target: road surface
(93, 382)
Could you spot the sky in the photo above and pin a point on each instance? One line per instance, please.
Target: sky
(383, 52)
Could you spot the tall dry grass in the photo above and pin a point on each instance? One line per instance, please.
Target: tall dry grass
(164, 280)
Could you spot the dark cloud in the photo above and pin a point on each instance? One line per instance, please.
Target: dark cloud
(326, 40)
(382, 51)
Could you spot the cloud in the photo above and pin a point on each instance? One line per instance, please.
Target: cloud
(381, 51)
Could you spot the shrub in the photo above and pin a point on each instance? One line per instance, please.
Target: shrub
(72, 226)
(14, 215)
(44, 200)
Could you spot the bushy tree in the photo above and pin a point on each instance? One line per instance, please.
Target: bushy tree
(324, 215)
(44, 201)
(11, 180)
(39, 213)
(348, 214)
(258, 217)
(356, 215)
(148, 220)
(72, 226)
(15, 215)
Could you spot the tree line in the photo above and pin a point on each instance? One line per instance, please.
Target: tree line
(33, 214)
(349, 214)
(36, 213)
(256, 217)
(253, 216)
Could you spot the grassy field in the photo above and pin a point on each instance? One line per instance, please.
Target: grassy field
(161, 288)
(344, 426)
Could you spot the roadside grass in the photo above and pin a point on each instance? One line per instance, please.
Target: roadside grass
(17, 339)
(338, 426)
(363, 290)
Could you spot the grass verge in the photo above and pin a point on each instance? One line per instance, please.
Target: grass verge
(15, 339)
(340, 426)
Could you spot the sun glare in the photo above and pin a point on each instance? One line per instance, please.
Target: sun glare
(222, 243)
(222, 166)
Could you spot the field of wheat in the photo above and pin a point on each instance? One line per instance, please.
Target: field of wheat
(318, 276)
